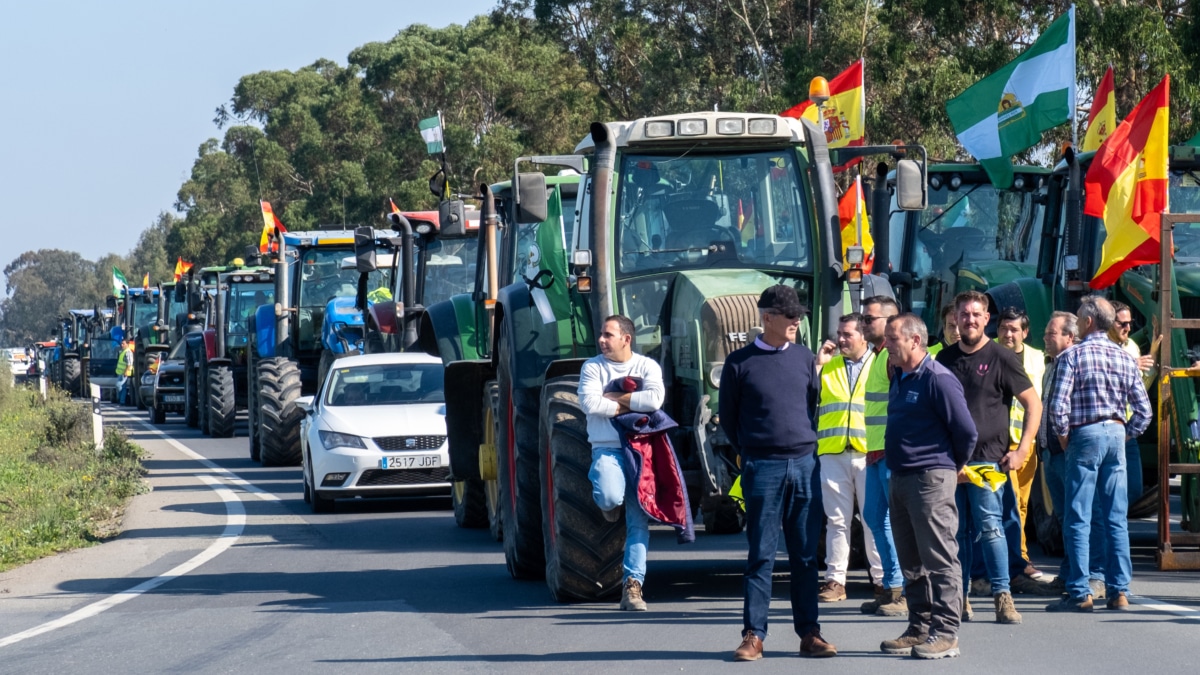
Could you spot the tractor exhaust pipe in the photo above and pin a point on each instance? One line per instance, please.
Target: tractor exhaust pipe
(603, 160)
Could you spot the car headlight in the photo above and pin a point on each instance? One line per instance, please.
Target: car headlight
(333, 439)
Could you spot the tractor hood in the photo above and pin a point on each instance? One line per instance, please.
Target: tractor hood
(1187, 280)
(980, 276)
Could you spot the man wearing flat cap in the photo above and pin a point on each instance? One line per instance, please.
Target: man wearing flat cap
(768, 399)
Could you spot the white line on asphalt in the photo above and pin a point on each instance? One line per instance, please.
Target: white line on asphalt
(235, 522)
(221, 471)
(1178, 610)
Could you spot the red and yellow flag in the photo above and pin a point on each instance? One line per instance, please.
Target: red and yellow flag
(146, 282)
(844, 115)
(271, 225)
(1103, 117)
(1126, 186)
(181, 268)
(852, 208)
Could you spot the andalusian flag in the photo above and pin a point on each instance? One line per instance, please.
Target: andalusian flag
(271, 225)
(843, 116)
(146, 282)
(1006, 112)
(1103, 117)
(431, 131)
(119, 283)
(1126, 186)
(852, 209)
(181, 268)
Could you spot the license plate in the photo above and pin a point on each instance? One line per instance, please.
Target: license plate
(173, 398)
(411, 462)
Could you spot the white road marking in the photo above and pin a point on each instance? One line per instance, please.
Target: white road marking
(235, 522)
(1178, 610)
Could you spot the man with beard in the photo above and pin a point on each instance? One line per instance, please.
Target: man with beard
(992, 377)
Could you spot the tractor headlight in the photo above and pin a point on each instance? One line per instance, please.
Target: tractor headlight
(694, 127)
(659, 129)
(731, 126)
(714, 373)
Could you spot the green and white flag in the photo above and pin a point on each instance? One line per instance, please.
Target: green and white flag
(1006, 112)
(119, 283)
(431, 131)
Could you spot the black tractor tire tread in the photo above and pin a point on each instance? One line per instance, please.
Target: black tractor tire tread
(73, 377)
(252, 408)
(491, 488)
(524, 554)
(191, 399)
(222, 411)
(470, 511)
(726, 518)
(584, 550)
(279, 425)
(158, 415)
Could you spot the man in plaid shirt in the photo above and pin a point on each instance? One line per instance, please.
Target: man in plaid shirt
(1094, 382)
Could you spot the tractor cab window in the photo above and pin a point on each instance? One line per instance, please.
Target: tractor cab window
(974, 223)
(449, 267)
(1185, 198)
(321, 279)
(698, 211)
(143, 314)
(244, 299)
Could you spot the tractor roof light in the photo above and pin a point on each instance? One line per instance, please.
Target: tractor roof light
(763, 126)
(731, 126)
(693, 127)
(423, 227)
(818, 90)
(854, 255)
(660, 129)
(1019, 182)
(935, 182)
(955, 182)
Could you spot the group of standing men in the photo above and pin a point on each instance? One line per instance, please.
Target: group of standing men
(939, 454)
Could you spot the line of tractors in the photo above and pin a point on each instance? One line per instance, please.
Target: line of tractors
(676, 221)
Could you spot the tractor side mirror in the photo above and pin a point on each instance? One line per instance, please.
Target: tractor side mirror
(364, 249)
(111, 302)
(912, 193)
(452, 219)
(180, 292)
(532, 201)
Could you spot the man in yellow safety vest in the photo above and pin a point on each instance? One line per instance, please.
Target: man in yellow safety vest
(124, 371)
(842, 449)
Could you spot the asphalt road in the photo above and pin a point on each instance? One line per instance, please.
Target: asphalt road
(231, 572)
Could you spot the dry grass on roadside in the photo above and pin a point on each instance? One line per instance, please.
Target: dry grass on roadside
(56, 491)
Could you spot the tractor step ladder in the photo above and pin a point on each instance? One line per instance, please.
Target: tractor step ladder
(1168, 558)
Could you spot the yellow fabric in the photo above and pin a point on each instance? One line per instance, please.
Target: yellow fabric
(984, 476)
(876, 399)
(1034, 361)
(1103, 117)
(1022, 479)
(380, 294)
(735, 493)
(936, 349)
(841, 413)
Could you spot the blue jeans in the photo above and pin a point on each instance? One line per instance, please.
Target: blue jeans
(610, 490)
(986, 522)
(1096, 473)
(1012, 537)
(1056, 475)
(781, 494)
(122, 389)
(1133, 468)
(878, 518)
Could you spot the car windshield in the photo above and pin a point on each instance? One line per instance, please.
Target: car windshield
(696, 210)
(974, 223)
(323, 279)
(386, 384)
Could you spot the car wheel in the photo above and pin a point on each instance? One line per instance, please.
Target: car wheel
(470, 503)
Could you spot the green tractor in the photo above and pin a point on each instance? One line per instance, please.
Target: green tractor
(459, 328)
(698, 214)
(137, 312)
(289, 338)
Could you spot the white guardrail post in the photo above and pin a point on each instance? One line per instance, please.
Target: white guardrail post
(97, 419)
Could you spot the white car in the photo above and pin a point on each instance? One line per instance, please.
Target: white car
(376, 428)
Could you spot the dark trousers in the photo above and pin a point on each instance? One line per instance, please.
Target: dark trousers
(924, 526)
(781, 494)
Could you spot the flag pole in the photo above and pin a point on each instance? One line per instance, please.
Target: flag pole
(1074, 85)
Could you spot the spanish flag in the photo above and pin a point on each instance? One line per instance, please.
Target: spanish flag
(1126, 186)
(851, 208)
(843, 116)
(271, 225)
(1103, 117)
(181, 268)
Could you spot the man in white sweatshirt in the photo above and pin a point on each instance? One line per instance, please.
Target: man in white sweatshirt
(617, 361)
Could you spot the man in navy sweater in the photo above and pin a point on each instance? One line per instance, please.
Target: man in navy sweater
(930, 435)
(768, 399)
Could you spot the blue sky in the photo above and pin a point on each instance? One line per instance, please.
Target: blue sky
(103, 105)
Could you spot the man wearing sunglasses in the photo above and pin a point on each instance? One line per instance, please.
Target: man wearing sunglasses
(1119, 334)
(767, 409)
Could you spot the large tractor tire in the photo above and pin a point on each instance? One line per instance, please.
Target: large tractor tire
(221, 409)
(202, 400)
(279, 424)
(517, 471)
(583, 549)
(72, 377)
(252, 408)
(725, 517)
(191, 392)
(158, 415)
(470, 507)
(491, 488)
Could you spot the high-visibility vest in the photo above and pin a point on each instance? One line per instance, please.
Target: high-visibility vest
(381, 294)
(840, 413)
(1034, 361)
(877, 401)
(125, 363)
(935, 348)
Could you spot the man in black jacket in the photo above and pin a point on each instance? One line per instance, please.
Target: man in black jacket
(768, 404)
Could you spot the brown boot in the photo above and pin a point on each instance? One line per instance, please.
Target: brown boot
(967, 613)
(750, 649)
(872, 606)
(631, 596)
(816, 646)
(894, 604)
(1006, 612)
(832, 591)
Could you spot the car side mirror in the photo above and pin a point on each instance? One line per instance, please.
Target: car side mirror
(305, 403)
